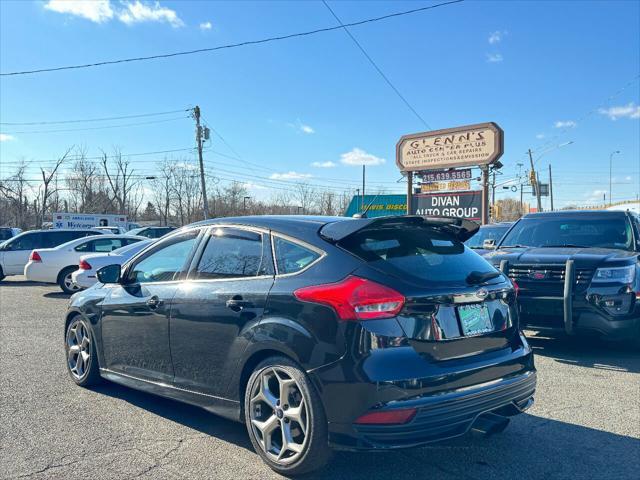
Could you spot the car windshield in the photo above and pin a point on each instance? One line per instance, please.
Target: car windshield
(491, 232)
(420, 255)
(579, 231)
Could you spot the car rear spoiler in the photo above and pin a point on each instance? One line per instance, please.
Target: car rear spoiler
(459, 228)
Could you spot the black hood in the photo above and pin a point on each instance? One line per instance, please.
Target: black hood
(558, 256)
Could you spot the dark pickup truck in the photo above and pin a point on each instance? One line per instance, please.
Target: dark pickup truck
(577, 271)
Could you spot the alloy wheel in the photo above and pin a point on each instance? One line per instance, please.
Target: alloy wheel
(68, 283)
(278, 415)
(78, 349)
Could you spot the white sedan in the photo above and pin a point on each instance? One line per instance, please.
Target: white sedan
(55, 265)
(88, 265)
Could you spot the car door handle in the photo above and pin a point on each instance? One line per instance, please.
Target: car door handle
(237, 303)
(154, 302)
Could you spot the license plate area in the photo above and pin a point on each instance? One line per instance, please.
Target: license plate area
(475, 319)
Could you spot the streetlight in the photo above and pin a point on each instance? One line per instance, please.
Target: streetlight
(610, 170)
(244, 203)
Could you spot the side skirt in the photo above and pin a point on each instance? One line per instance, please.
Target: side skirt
(220, 406)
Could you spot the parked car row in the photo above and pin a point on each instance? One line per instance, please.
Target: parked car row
(52, 255)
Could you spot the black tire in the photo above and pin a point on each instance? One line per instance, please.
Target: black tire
(62, 276)
(90, 374)
(315, 452)
(2, 277)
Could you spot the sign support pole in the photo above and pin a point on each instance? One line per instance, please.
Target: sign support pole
(409, 192)
(485, 194)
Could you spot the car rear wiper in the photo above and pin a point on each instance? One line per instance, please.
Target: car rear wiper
(565, 245)
(475, 277)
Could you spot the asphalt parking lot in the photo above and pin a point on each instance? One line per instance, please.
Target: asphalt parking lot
(585, 423)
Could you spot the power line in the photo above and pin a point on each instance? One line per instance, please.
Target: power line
(385, 78)
(87, 120)
(103, 127)
(231, 45)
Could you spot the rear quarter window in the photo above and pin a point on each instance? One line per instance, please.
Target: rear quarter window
(417, 254)
(292, 257)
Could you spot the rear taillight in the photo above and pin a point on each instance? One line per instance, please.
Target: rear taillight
(355, 298)
(35, 257)
(388, 417)
(84, 265)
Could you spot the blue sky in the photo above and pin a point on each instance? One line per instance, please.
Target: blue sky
(307, 109)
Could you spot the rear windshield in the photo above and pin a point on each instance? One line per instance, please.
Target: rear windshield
(494, 232)
(5, 233)
(419, 255)
(580, 231)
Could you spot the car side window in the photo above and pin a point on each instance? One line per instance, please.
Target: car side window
(166, 261)
(233, 253)
(101, 245)
(25, 242)
(292, 257)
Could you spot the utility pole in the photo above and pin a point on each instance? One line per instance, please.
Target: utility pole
(493, 188)
(610, 171)
(363, 182)
(485, 194)
(551, 187)
(205, 202)
(534, 183)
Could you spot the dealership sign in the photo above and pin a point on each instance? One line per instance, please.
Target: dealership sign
(450, 186)
(460, 204)
(471, 145)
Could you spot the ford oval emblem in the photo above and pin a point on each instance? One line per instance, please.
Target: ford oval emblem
(482, 293)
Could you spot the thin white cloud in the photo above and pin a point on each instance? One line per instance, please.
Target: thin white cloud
(128, 12)
(627, 178)
(358, 156)
(205, 26)
(97, 11)
(327, 164)
(565, 124)
(496, 37)
(138, 12)
(291, 175)
(540, 136)
(5, 137)
(494, 57)
(630, 110)
(596, 196)
(253, 186)
(306, 129)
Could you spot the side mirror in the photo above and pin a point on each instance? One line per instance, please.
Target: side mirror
(489, 244)
(109, 274)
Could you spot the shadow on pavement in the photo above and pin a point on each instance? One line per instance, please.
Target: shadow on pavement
(532, 447)
(185, 414)
(22, 283)
(59, 294)
(587, 352)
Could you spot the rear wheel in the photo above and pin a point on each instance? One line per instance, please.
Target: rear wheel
(82, 361)
(2, 277)
(65, 282)
(285, 418)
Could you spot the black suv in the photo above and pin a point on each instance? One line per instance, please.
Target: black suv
(577, 271)
(316, 332)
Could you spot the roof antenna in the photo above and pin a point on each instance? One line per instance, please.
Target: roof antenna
(364, 212)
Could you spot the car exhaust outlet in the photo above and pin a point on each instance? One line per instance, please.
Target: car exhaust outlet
(489, 424)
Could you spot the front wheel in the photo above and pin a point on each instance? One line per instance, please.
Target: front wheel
(82, 359)
(285, 418)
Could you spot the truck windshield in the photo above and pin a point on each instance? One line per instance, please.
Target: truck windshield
(579, 231)
(420, 255)
(490, 232)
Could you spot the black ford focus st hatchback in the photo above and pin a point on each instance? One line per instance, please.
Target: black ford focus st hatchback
(318, 333)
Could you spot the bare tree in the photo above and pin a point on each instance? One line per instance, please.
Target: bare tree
(163, 191)
(121, 180)
(14, 198)
(305, 195)
(46, 189)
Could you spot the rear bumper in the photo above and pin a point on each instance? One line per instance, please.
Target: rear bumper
(38, 272)
(449, 396)
(84, 278)
(446, 415)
